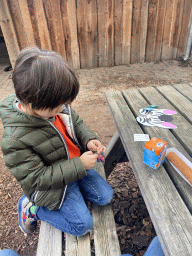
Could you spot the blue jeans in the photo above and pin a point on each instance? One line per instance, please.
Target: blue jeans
(154, 249)
(74, 217)
(8, 252)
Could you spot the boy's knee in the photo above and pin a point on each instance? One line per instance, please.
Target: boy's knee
(83, 228)
(106, 197)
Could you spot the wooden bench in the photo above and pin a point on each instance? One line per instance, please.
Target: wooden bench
(104, 233)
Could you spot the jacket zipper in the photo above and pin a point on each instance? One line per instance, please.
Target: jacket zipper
(73, 130)
(67, 156)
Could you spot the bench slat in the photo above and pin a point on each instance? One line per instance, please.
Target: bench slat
(184, 89)
(180, 102)
(50, 241)
(78, 246)
(105, 235)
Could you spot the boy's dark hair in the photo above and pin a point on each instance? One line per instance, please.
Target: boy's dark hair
(44, 79)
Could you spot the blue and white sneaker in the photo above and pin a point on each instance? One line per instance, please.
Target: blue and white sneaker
(27, 223)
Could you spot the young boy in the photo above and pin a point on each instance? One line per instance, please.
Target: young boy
(48, 148)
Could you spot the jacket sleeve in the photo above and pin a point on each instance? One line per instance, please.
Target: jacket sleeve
(29, 169)
(83, 132)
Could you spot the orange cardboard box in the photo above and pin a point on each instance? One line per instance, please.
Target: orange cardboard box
(154, 152)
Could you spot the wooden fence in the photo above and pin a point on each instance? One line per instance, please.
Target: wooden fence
(96, 33)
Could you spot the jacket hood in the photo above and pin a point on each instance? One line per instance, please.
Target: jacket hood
(12, 116)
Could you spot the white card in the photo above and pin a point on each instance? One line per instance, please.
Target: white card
(141, 137)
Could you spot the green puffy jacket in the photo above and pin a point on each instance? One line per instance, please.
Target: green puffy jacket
(37, 155)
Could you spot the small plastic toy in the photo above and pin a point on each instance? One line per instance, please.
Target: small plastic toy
(151, 107)
(101, 158)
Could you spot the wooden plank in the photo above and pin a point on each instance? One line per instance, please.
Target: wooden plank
(174, 138)
(184, 89)
(83, 44)
(69, 18)
(8, 31)
(71, 245)
(151, 30)
(54, 8)
(31, 7)
(18, 23)
(78, 246)
(135, 39)
(110, 33)
(42, 25)
(118, 11)
(143, 31)
(168, 212)
(126, 31)
(166, 46)
(105, 236)
(161, 9)
(102, 50)
(181, 104)
(50, 24)
(87, 33)
(25, 14)
(186, 22)
(177, 26)
(50, 241)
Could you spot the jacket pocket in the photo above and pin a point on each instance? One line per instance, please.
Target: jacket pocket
(50, 199)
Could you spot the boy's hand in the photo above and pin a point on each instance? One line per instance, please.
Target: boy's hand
(89, 159)
(96, 145)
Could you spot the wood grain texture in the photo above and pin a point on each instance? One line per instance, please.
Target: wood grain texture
(177, 26)
(184, 89)
(168, 28)
(8, 31)
(54, 8)
(50, 23)
(92, 33)
(143, 30)
(87, 32)
(180, 102)
(18, 23)
(31, 7)
(126, 31)
(151, 30)
(168, 212)
(110, 33)
(105, 235)
(27, 23)
(50, 241)
(69, 19)
(161, 10)
(42, 25)
(118, 12)
(78, 246)
(102, 33)
(136, 27)
(185, 25)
